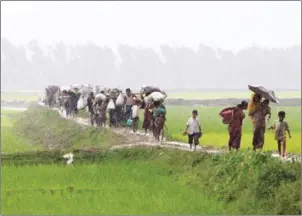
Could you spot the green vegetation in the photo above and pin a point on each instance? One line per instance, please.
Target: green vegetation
(10, 142)
(216, 133)
(41, 128)
(149, 181)
(133, 181)
(227, 94)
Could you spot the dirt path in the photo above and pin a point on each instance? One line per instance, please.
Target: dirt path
(140, 139)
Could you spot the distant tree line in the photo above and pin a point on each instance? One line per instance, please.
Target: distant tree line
(31, 67)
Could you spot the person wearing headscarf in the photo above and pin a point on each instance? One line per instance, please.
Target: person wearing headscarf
(254, 104)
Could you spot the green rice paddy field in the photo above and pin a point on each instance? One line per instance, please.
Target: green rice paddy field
(216, 133)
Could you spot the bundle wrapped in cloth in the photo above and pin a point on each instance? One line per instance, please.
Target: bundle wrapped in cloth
(147, 90)
(100, 96)
(156, 96)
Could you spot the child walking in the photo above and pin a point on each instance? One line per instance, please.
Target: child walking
(193, 130)
(281, 127)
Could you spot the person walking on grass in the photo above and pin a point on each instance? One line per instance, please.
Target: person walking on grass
(193, 130)
(281, 127)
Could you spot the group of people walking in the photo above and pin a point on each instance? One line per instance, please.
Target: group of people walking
(126, 113)
(123, 108)
(259, 113)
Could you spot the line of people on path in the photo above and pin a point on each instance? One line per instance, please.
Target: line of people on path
(259, 113)
(124, 109)
(125, 112)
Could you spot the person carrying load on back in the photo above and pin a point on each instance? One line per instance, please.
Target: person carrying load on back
(90, 101)
(233, 116)
(159, 118)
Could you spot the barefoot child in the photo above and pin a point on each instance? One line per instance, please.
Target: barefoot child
(280, 128)
(193, 130)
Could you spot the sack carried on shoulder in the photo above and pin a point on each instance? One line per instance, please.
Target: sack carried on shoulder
(227, 115)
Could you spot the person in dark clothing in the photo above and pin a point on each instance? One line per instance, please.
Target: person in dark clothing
(90, 101)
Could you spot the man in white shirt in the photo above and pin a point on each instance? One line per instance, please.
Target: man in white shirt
(193, 129)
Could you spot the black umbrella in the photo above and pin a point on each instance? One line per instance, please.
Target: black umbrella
(267, 94)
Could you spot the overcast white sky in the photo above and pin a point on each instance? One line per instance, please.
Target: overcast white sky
(229, 25)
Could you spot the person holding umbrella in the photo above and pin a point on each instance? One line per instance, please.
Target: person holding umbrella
(259, 118)
(259, 113)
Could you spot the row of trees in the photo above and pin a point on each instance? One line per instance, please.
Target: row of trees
(31, 67)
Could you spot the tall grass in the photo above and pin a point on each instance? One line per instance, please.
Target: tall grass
(150, 181)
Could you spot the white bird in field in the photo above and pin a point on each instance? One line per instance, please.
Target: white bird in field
(69, 156)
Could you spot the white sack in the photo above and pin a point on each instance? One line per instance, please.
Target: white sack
(110, 105)
(81, 103)
(156, 96)
(100, 96)
(120, 99)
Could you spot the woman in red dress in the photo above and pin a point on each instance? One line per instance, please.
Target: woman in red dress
(235, 125)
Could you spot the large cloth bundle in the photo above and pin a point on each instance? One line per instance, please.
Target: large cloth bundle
(100, 96)
(146, 91)
(227, 115)
(156, 96)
